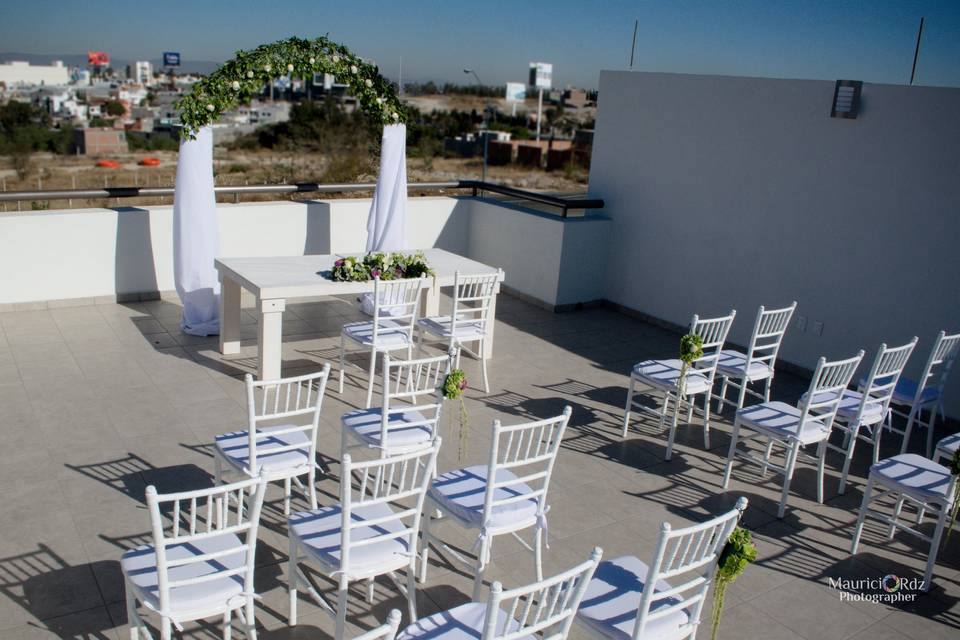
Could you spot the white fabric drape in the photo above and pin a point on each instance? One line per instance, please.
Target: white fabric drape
(387, 223)
(196, 238)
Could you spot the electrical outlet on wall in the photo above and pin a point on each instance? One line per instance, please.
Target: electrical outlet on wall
(801, 323)
(818, 328)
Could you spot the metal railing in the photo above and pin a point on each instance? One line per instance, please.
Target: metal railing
(563, 204)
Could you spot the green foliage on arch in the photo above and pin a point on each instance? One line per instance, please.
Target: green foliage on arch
(240, 79)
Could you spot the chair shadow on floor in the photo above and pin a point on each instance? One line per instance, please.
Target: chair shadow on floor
(64, 597)
(132, 474)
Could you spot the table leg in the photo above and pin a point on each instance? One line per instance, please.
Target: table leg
(430, 300)
(271, 338)
(230, 294)
(491, 322)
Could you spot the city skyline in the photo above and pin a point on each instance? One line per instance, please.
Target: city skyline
(873, 42)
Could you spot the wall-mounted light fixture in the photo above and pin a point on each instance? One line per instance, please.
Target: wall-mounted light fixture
(846, 99)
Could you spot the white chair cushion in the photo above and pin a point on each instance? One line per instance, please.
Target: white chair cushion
(140, 567)
(664, 374)
(233, 446)
(460, 494)
(440, 326)
(948, 446)
(782, 420)
(389, 334)
(460, 623)
(914, 474)
(318, 533)
(365, 425)
(733, 363)
(612, 600)
(906, 390)
(850, 404)
(386, 311)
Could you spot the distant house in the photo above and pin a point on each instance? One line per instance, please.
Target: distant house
(99, 141)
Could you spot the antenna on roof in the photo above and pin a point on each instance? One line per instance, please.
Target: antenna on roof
(916, 52)
(633, 46)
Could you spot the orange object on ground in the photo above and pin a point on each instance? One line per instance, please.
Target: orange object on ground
(108, 164)
(150, 162)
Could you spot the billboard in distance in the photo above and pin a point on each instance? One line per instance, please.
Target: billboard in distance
(98, 59)
(171, 59)
(541, 75)
(516, 92)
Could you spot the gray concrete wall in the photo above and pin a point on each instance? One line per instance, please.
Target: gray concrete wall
(729, 192)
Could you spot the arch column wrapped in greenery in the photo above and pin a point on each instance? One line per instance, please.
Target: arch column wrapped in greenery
(239, 80)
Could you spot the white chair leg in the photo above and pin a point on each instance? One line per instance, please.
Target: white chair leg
(742, 396)
(864, 505)
(731, 454)
(483, 368)
(425, 545)
(722, 398)
(626, 410)
(909, 429)
(767, 452)
(312, 490)
(292, 584)
(227, 625)
(930, 425)
(485, 545)
(821, 464)
(370, 586)
(287, 489)
(848, 457)
(706, 420)
(412, 590)
(166, 629)
(370, 373)
(766, 389)
(788, 478)
(673, 430)
(538, 552)
(250, 621)
(342, 592)
(892, 530)
(343, 346)
(935, 546)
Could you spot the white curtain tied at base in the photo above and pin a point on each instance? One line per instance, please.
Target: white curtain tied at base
(196, 238)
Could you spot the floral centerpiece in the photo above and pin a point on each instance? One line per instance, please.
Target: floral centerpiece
(393, 266)
(736, 555)
(691, 350)
(453, 387)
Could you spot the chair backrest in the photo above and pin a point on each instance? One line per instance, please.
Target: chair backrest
(713, 332)
(829, 381)
(691, 552)
(546, 607)
(937, 368)
(287, 405)
(406, 381)
(528, 451)
(396, 304)
(400, 482)
(204, 514)
(472, 298)
(768, 331)
(884, 374)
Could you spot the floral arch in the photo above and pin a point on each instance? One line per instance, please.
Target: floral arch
(240, 79)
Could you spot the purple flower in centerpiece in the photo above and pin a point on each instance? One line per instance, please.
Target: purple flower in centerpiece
(398, 272)
(338, 263)
(463, 384)
(374, 273)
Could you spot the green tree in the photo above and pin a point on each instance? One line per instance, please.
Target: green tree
(114, 108)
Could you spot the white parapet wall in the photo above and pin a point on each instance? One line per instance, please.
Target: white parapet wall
(729, 192)
(91, 254)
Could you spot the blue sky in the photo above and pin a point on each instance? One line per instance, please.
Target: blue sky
(867, 40)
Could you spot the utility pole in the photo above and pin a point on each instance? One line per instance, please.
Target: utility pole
(486, 132)
(916, 53)
(633, 46)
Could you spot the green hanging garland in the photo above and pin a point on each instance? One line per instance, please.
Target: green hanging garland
(736, 555)
(453, 387)
(239, 80)
(691, 350)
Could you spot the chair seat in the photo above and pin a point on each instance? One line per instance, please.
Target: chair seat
(460, 623)
(610, 604)
(906, 391)
(460, 494)
(782, 420)
(318, 533)
(386, 310)
(734, 365)
(365, 426)
(440, 327)
(664, 374)
(390, 335)
(234, 447)
(850, 404)
(948, 446)
(914, 474)
(140, 567)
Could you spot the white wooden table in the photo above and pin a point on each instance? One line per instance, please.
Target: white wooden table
(275, 280)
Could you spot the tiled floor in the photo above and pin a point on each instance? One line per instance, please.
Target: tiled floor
(97, 402)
